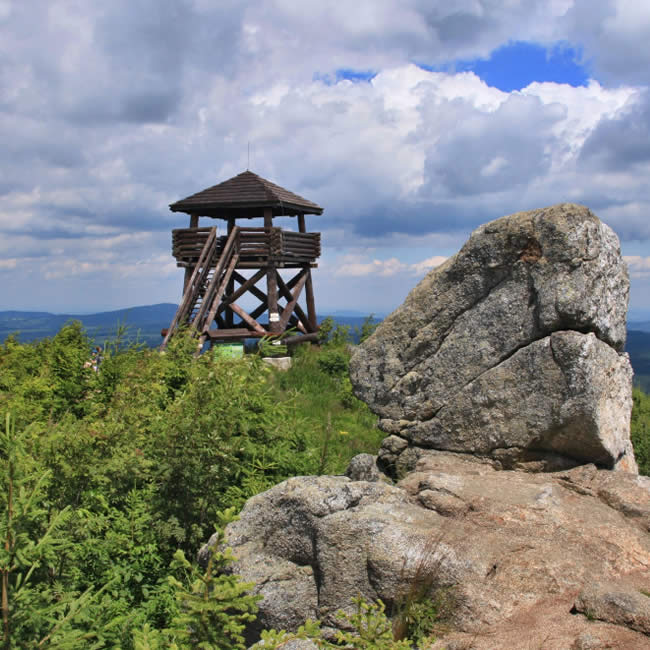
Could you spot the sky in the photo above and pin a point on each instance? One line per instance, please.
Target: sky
(410, 122)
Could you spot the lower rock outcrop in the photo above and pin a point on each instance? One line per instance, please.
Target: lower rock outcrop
(552, 556)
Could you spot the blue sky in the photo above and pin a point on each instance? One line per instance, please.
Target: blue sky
(517, 64)
(512, 66)
(411, 123)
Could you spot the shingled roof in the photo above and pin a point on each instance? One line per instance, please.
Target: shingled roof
(245, 195)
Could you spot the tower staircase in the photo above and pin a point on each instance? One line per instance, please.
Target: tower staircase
(206, 286)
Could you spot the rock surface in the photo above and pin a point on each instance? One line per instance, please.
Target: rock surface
(561, 559)
(512, 347)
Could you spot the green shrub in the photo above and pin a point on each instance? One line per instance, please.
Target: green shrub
(141, 456)
(367, 628)
(37, 610)
(214, 606)
(334, 361)
(640, 430)
(368, 326)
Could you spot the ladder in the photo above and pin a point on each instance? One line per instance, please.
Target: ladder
(206, 287)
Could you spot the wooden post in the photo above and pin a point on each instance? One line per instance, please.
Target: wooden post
(309, 286)
(229, 316)
(311, 304)
(194, 223)
(271, 280)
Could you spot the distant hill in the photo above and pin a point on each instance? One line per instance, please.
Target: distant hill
(638, 347)
(639, 326)
(145, 322)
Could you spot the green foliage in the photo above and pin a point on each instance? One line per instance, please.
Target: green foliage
(37, 611)
(336, 424)
(334, 333)
(334, 361)
(368, 326)
(423, 614)
(640, 430)
(366, 628)
(371, 628)
(271, 346)
(426, 606)
(214, 606)
(325, 329)
(130, 464)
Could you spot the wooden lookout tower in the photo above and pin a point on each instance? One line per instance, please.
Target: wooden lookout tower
(220, 270)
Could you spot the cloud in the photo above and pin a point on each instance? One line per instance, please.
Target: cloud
(110, 112)
(351, 266)
(622, 140)
(639, 266)
(613, 33)
(420, 268)
(382, 268)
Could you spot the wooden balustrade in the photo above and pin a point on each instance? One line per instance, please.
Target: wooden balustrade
(255, 245)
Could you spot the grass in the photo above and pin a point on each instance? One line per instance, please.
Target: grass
(428, 605)
(335, 420)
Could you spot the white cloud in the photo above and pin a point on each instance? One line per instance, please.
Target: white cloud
(420, 268)
(351, 266)
(639, 266)
(382, 268)
(109, 113)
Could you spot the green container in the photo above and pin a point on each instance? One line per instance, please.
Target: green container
(229, 350)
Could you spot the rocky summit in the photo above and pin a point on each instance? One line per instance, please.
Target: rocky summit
(504, 389)
(511, 349)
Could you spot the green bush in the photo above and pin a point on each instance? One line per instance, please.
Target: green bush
(334, 361)
(367, 628)
(141, 456)
(640, 430)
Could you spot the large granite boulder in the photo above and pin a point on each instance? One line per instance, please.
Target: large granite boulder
(554, 560)
(512, 349)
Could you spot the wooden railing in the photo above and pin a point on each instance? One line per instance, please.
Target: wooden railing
(256, 245)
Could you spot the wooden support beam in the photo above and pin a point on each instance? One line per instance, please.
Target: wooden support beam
(216, 300)
(190, 295)
(228, 316)
(228, 254)
(271, 280)
(229, 291)
(300, 338)
(311, 303)
(240, 333)
(189, 270)
(246, 285)
(288, 310)
(247, 319)
(284, 289)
